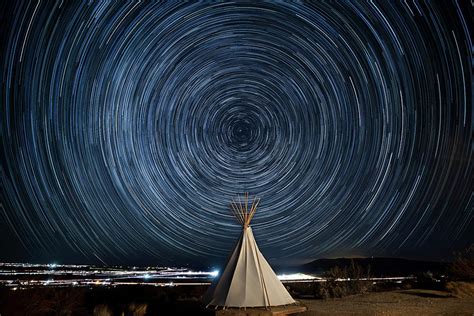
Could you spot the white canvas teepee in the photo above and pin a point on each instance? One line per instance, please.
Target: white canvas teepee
(247, 280)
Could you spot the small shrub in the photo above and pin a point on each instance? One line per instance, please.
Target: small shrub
(461, 289)
(102, 310)
(426, 280)
(342, 282)
(462, 267)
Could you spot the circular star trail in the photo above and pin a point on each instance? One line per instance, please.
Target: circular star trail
(126, 129)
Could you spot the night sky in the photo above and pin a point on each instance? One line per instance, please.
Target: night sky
(126, 129)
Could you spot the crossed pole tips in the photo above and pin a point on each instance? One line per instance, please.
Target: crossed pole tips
(241, 211)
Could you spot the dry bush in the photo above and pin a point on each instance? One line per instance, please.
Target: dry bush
(137, 309)
(44, 301)
(343, 282)
(462, 267)
(102, 310)
(461, 289)
(427, 280)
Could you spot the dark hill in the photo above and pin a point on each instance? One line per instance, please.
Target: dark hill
(379, 267)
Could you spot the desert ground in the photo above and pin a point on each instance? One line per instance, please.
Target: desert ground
(404, 302)
(456, 299)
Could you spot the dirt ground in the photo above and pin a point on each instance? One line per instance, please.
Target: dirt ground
(406, 302)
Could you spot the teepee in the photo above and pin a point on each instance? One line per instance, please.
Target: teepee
(247, 280)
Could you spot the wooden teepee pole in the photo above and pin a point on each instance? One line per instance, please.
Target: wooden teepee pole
(241, 210)
(237, 213)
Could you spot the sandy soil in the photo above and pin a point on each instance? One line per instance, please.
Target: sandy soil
(407, 302)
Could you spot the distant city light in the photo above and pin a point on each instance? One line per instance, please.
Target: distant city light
(15, 276)
(296, 276)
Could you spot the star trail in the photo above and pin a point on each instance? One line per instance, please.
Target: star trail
(127, 128)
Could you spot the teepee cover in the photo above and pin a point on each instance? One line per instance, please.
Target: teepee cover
(247, 280)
